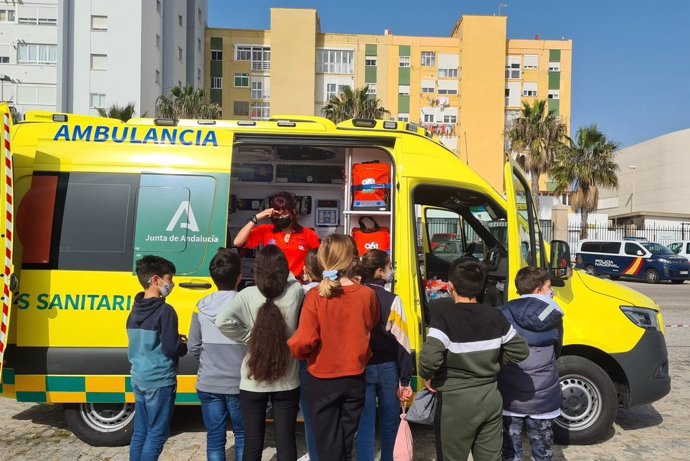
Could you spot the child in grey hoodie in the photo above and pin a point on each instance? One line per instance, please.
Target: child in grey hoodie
(220, 359)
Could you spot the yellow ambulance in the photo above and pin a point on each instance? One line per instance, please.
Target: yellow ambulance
(85, 197)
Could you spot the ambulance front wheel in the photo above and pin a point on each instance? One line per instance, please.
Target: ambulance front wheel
(589, 405)
(101, 424)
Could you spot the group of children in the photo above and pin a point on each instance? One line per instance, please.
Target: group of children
(334, 344)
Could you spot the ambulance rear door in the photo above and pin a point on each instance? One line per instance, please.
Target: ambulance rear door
(6, 210)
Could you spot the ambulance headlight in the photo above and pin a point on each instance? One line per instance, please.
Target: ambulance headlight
(642, 317)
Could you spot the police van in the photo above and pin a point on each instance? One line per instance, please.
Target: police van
(85, 197)
(649, 261)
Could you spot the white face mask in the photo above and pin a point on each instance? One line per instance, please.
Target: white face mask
(166, 289)
(389, 277)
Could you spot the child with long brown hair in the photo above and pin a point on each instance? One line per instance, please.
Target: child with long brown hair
(264, 316)
(333, 335)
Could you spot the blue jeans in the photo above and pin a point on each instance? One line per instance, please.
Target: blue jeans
(306, 414)
(153, 409)
(382, 385)
(215, 410)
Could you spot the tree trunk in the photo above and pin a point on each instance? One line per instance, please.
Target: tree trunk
(535, 193)
(584, 214)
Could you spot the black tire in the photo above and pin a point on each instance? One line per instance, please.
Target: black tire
(101, 424)
(677, 282)
(590, 402)
(651, 276)
(591, 270)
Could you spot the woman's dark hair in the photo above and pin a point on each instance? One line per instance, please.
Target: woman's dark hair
(268, 353)
(285, 202)
(370, 262)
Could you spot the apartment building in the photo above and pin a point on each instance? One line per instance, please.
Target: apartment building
(465, 87)
(28, 54)
(122, 52)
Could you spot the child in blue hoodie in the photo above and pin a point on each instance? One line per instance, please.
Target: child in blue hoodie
(220, 359)
(531, 392)
(154, 349)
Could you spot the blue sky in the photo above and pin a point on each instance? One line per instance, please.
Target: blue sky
(631, 58)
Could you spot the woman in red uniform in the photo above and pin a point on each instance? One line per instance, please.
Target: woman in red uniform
(284, 232)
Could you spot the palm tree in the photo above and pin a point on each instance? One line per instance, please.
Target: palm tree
(353, 104)
(123, 113)
(186, 102)
(586, 163)
(534, 138)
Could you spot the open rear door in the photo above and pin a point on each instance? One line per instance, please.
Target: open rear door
(6, 210)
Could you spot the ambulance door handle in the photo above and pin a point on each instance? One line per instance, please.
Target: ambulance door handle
(195, 286)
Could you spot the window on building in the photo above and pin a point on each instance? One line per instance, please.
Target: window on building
(428, 86)
(179, 83)
(554, 94)
(42, 95)
(403, 117)
(335, 61)
(404, 89)
(180, 19)
(216, 55)
(448, 65)
(158, 6)
(428, 58)
(404, 61)
(260, 56)
(179, 53)
(447, 87)
(242, 80)
(198, 76)
(260, 88)
(529, 89)
(370, 61)
(198, 45)
(99, 23)
(98, 101)
(334, 89)
(240, 108)
(158, 77)
(216, 83)
(7, 15)
(158, 41)
(452, 119)
(531, 61)
(371, 88)
(428, 118)
(37, 14)
(512, 94)
(4, 59)
(28, 53)
(554, 67)
(260, 111)
(513, 67)
(99, 62)
(199, 15)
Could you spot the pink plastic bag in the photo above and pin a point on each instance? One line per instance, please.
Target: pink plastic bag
(402, 451)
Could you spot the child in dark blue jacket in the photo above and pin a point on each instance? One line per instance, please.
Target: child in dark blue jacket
(154, 349)
(530, 389)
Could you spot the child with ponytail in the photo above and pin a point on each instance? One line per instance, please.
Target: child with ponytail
(264, 316)
(333, 336)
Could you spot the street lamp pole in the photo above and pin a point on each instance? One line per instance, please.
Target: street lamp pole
(632, 197)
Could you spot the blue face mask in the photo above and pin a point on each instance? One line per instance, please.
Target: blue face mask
(389, 277)
(166, 289)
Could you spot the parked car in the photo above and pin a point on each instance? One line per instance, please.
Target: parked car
(681, 248)
(649, 261)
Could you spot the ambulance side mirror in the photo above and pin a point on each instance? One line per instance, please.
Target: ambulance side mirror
(560, 266)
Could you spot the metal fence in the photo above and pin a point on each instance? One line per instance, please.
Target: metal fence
(660, 234)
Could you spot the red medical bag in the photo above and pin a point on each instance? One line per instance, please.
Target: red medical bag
(370, 238)
(371, 183)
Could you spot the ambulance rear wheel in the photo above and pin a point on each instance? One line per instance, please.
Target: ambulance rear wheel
(101, 424)
(651, 276)
(589, 405)
(590, 270)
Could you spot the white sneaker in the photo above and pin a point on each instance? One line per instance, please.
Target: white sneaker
(304, 458)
